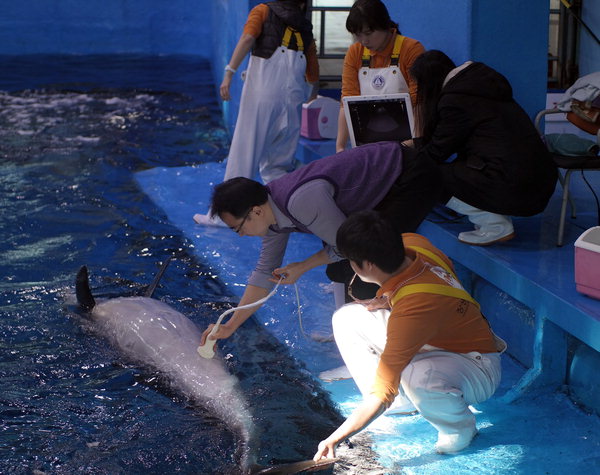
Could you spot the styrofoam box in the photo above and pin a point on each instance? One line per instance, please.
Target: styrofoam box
(587, 262)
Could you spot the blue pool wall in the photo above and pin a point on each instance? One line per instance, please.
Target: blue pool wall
(511, 36)
(153, 27)
(553, 357)
(589, 50)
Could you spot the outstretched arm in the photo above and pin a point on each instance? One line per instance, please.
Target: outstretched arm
(295, 270)
(251, 295)
(367, 412)
(342, 135)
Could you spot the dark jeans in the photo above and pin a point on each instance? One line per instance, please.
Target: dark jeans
(408, 202)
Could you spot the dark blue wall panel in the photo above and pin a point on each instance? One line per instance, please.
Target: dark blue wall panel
(511, 36)
(106, 26)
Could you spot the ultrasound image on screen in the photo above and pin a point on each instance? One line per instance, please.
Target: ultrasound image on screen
(379, 120)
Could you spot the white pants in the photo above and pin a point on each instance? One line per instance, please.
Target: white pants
(268, 124)
(439, 384)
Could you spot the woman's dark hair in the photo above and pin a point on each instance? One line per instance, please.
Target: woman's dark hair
(369, 15)
(429, 71)
(368, 236)
(236, 196)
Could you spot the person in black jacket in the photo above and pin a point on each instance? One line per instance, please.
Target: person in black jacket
(501, 167)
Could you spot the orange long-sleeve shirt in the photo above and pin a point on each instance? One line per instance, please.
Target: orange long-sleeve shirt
(419, 319)
(410, 50)
(253, 27)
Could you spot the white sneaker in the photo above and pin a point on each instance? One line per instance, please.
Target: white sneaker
(206, 220)
(486, 235)
(452, 443)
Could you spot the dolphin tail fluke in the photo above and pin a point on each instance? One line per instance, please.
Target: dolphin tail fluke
(82, 290)
(152, 287)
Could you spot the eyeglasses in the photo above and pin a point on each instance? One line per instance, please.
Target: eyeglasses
(239, 228)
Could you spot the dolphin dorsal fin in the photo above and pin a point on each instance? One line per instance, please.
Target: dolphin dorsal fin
(152, 287)
(82, 290)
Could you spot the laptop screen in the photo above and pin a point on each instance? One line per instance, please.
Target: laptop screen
(378, 118)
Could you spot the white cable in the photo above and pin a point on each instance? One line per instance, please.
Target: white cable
(207, 350)
(250, 305)
(313, 337)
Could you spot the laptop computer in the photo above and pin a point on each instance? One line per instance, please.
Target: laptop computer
(378, 118)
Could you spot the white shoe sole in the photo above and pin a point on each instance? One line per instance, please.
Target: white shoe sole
(508, 237)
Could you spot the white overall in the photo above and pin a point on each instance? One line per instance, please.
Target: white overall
(439, 384)
(389, 80)
(268, 123)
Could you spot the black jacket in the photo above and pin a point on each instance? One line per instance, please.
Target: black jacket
(501, 163)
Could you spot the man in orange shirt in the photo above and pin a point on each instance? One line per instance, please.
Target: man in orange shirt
(379, 61)
(427, 344)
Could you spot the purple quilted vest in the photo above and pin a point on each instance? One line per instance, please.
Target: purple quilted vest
(361, 177)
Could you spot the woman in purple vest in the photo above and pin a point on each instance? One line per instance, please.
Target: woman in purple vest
(316, 199)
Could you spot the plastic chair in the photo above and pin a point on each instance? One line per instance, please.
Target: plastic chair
(568, 164)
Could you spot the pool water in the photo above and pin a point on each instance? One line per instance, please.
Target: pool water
(74, 131)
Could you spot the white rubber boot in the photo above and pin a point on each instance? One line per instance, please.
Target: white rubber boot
(489, 227)
(452, 443)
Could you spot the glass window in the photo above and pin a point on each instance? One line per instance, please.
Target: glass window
(329, 28)
(332, 3)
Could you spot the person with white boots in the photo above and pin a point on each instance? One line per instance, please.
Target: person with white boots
(493, 161)
(421, 344)
(283, 72)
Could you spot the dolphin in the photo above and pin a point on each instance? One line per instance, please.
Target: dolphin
(154, 334)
